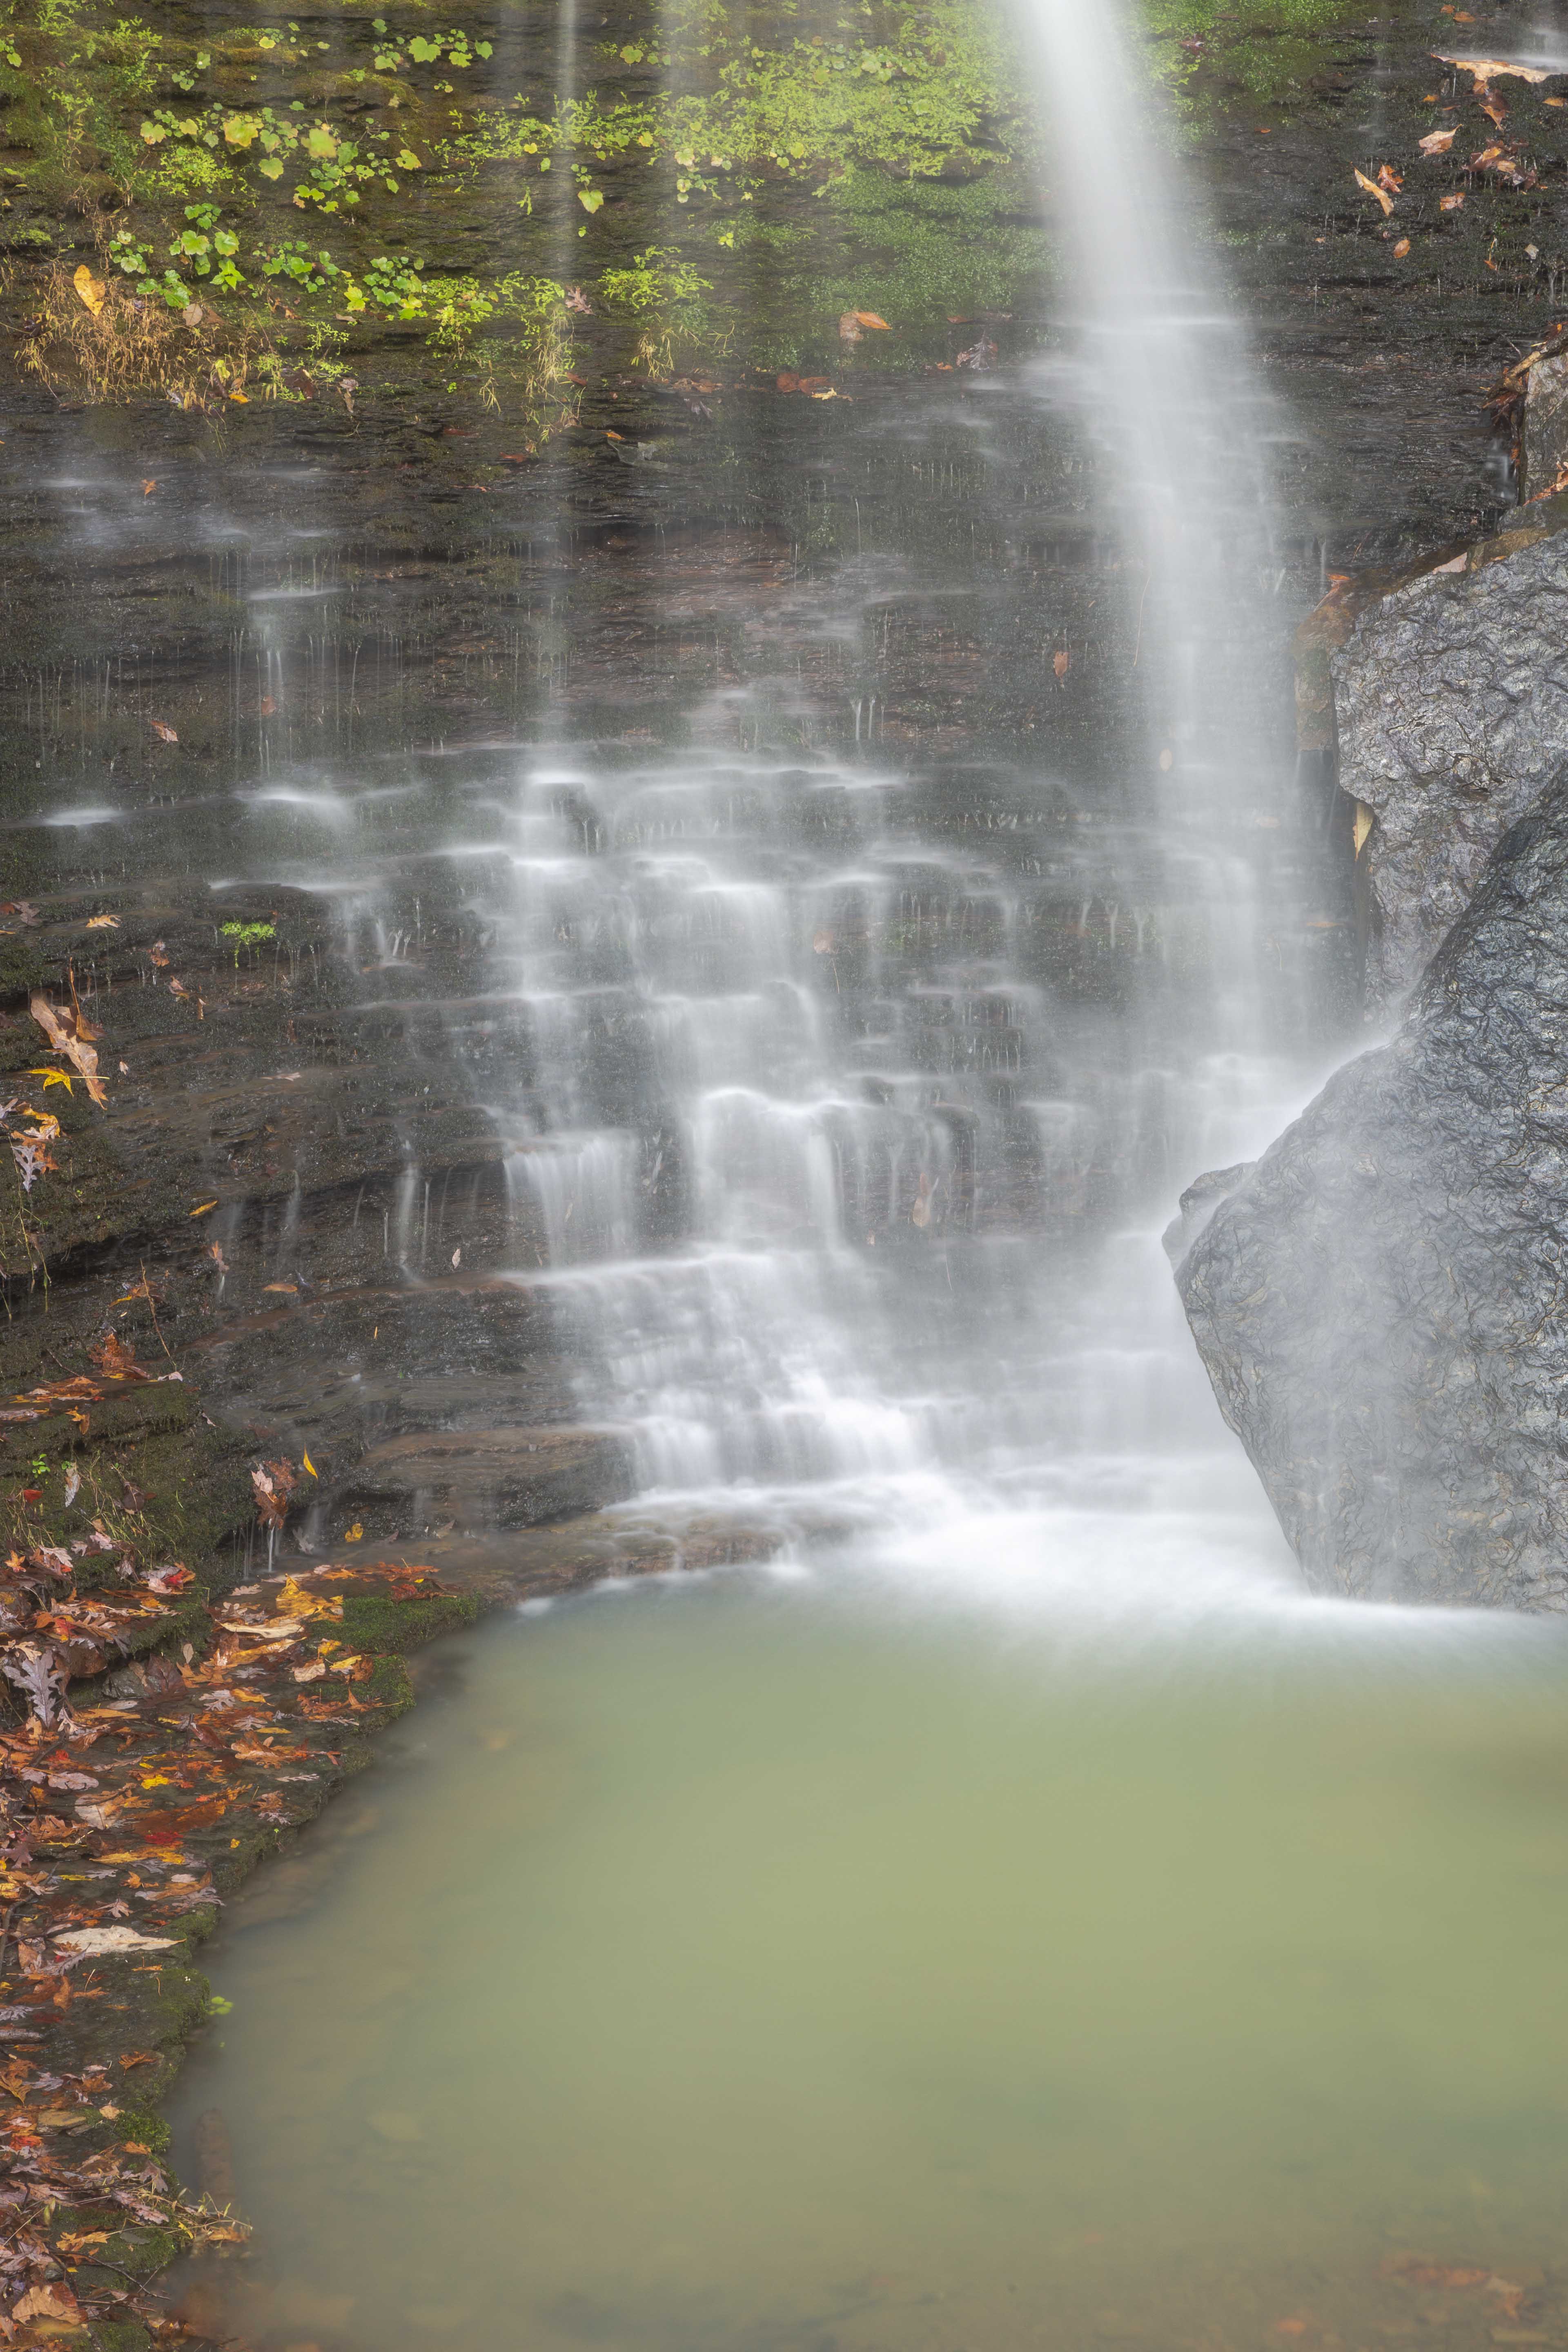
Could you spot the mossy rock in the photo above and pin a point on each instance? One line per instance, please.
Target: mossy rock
(145, 2127)
(375, 1624)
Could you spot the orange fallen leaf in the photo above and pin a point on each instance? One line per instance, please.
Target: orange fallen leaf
(148, 488)
(68, 1042)
(1438, 142)
(1402, 248)
(1452, 203)
(869, 319)
(1383, 198)
(1485, 70)
(1061, 663)
(1387, 177)
(161, 729)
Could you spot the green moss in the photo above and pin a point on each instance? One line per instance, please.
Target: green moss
(119, 2335)
(145, 2128)
(397, 1626)
(920, 252)
(1208, 54)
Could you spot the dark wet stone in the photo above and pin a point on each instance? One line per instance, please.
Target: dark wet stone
(1450, 696)
(1544, 431)
(1379, 1301)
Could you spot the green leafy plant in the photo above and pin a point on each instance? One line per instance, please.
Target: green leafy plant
(665, 296)
(247, 935)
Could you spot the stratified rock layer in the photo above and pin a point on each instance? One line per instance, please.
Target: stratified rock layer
(1450, 696)
(1382, 1302)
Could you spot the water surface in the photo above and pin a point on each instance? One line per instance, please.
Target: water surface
(934, 1952)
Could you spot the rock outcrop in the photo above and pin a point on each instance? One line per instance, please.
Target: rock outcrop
(1449, 706)
(1381, 1301)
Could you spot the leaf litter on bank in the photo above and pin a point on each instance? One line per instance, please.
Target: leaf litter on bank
(115, 1813)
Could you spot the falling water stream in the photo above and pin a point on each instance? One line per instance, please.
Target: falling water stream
(1020, 1916)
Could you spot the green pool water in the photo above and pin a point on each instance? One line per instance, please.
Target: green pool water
(756, 1963)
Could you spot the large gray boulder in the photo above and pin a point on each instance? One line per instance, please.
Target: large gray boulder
(1381, 1300)
(1450, 710)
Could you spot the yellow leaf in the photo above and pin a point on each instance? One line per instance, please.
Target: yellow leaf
(355, 1534)
(52, 1078)
(202, 1207)
(310, 1465)
(1363, 825)
(1383, 198)
(295, 1601)
(89, 289)
(869, 319)
(103, 922)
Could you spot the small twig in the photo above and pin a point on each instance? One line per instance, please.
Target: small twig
(151, 1309)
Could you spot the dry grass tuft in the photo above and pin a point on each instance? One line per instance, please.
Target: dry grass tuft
(131, 347)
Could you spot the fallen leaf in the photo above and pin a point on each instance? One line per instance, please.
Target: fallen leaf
(1438, 142)
(309, 1466)
(298, 1603)
(1452, 203)
(148, 488)
(1387, 177)
(273, 1483)
(291, 1287)
(103, 922)
(1363, 824)
(1061, 663)
(202, 1207)
(354, 1533)
(1383, 198)
(161, 729)
(1487, 69)
(88, 1943)
(54, 2302)
(90, 290)
(111, 1355)
(66, 1042)
(869, 319)
(1402, 248)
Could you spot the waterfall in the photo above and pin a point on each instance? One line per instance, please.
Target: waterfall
(843, 1185)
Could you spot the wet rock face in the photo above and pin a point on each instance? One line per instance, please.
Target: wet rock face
(1451, 704)
(1543, 451)
(1380, 1300)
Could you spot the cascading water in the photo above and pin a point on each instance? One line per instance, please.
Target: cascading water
(844, 1189)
